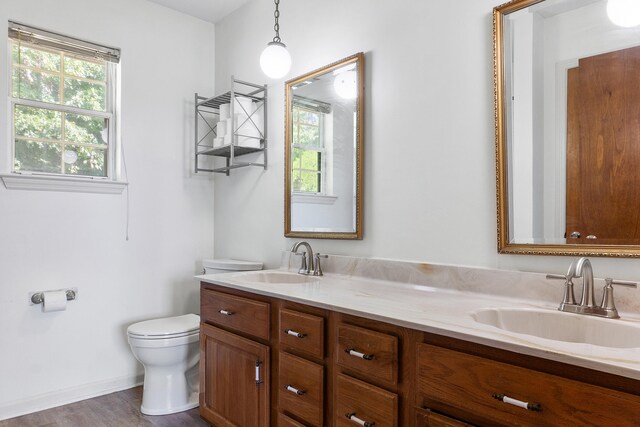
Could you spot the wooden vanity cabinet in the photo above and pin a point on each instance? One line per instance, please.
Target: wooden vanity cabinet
(408, 378)
(235, 368)
(234, 386)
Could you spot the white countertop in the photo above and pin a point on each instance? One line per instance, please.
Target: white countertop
(440, 311)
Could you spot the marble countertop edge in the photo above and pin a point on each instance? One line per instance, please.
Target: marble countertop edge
(439, 311)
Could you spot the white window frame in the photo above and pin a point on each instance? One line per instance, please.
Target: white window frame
(27, 180)
(315, 148)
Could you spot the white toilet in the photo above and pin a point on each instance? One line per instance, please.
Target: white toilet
(169, 350)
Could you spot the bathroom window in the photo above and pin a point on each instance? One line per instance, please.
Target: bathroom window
(308, 154)
(63, 104)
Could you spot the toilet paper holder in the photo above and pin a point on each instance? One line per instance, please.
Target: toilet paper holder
(38, 297)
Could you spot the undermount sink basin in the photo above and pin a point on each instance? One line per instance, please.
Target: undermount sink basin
(559, 326)
(276, 277)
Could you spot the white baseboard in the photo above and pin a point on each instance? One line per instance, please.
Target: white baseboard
(63, 397)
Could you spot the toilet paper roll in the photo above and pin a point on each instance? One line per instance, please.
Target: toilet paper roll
(243, 105)
(54, 301)
(221, 129)
(224, 111)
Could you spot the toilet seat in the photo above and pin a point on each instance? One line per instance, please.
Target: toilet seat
(165, 328)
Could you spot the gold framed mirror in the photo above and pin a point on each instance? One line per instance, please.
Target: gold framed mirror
(567, 129)
(323, 156)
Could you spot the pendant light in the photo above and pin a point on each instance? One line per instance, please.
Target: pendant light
(624, 13)
(275, 60)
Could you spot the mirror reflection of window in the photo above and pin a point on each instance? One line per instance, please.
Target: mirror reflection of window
(308, 151)
(312, 147)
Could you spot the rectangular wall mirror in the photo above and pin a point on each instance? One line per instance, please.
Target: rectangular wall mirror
(567, 129)
(324, 112)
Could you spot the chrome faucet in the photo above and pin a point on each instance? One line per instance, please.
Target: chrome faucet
(306, 267)
(582, 268)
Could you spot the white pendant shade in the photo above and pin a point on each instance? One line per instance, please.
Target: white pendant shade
(275, 60)
(625, 13)
(346, 84)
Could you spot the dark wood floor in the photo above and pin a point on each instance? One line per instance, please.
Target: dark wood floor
(121, 409)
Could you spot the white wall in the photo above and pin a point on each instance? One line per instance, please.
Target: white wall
(51, 240)
(429, 135)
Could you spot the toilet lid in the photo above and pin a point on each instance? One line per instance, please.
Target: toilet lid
(166, 327)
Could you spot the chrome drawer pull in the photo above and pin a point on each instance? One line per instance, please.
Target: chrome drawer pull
(226, 312)
(294, 333)
(258, 379)
(295, 390)
(352, 417)
(535, 407)
(352, 352)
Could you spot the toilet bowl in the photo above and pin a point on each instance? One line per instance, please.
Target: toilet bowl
(169, 350)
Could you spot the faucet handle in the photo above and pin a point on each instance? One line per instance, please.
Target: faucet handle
(303, 265)
(610, 281)
(569, 297)
(608, 306)
(317, 271)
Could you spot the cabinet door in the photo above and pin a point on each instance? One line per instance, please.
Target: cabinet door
(234, 379)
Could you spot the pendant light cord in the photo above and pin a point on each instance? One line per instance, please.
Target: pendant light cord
(276, 27)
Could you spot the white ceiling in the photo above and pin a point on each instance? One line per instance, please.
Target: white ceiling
(209, 10)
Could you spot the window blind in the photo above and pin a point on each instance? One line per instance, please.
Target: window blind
(311, 104)
(37, 36)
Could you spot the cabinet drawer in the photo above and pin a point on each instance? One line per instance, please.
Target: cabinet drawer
(302, 332)
(469, 382)
(357, 401)
(371, 353)
(426, 418)
(301, 388)
(238, 313)
(284, 421)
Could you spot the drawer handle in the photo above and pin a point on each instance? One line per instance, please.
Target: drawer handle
(292, 389)
(352, 417)
(258, 378)
(535, 407)
(294, 333)
(226, 312)
(353, 352)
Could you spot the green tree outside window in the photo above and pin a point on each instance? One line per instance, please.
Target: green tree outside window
(49, 137)
(307, 151)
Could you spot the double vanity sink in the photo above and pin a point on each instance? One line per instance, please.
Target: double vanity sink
(529, 327)
(399, 343)
(542, 323)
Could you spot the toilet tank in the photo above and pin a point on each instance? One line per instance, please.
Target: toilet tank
(214, 266)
